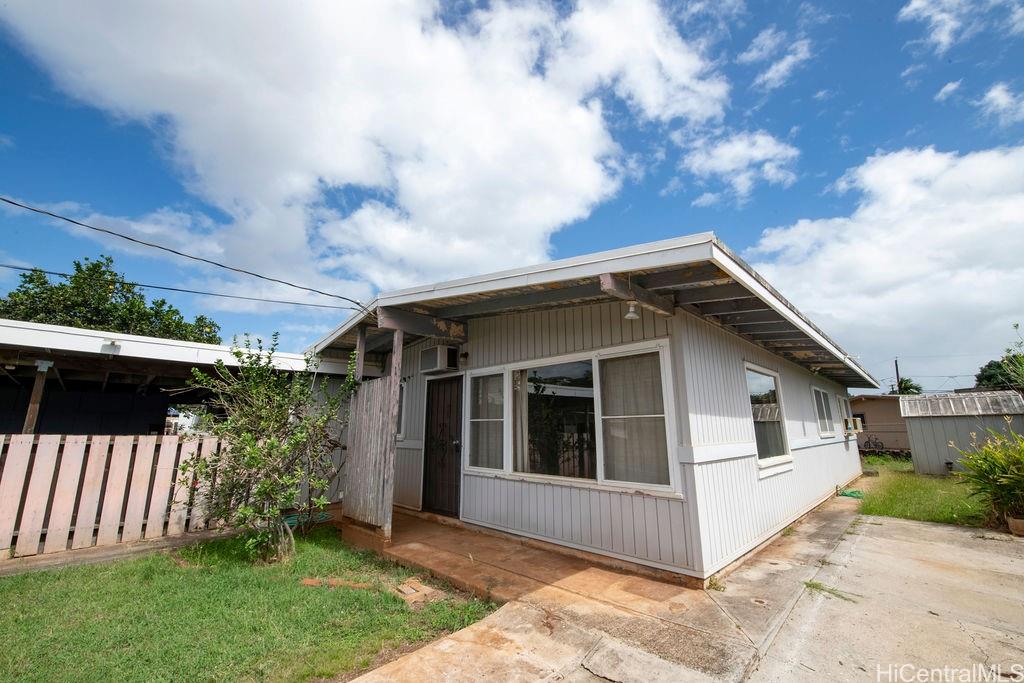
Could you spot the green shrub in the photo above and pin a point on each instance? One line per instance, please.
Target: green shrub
(994, 469)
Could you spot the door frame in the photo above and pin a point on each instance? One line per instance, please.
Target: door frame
(423, 450)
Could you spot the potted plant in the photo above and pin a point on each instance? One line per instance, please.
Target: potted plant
(994, 469)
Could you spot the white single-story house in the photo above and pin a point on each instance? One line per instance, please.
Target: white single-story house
(660, 404)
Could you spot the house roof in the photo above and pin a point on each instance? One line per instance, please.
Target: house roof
(22, 343)
(974, 403)
(697, 272)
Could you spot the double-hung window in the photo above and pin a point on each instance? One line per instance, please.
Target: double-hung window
(600, 417)
(487, 421)
(633, 419)
(823, 411)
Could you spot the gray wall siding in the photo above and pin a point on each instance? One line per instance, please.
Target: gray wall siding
(712, 360)
(651, 529)
(737, 503)
(409, 477)
(930, 437)
(739, 510)
(526, 336)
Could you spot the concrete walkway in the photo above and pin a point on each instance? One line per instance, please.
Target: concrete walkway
(838, 597)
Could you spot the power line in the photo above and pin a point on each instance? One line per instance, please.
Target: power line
(182, 289)
(153, 245)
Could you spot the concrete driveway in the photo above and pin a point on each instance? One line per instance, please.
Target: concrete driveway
(842, 597)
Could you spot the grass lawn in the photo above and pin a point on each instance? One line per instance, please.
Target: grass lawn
(205, 613)
(898, 492)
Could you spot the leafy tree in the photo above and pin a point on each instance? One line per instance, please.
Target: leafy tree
(95, 296)
(279, 431)
(907, 386)
(992, 375)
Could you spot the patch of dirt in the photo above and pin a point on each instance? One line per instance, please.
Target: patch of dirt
(335, 583)
(387, 654)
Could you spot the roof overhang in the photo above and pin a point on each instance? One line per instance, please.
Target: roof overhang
(23, 343)
(696, 273)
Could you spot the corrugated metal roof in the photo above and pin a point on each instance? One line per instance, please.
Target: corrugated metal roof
(974, 403)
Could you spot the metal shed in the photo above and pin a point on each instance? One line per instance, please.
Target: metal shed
(936, 420)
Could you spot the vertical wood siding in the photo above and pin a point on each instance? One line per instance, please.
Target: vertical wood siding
(409, 477)
(930, 437)
(649, 529)
(527, 336)
(368, 476)
(736, 508)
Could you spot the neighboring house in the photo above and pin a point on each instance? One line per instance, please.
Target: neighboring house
(660, 404)
(937, 420)
(68, 380)
(884, 427)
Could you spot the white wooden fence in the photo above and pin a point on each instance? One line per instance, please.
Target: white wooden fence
(66, 492)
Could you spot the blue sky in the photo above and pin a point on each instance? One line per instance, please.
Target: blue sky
(431, 144)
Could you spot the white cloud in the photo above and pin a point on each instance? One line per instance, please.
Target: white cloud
(371, 144)
(764, 45)
(947, 90)
(707, 199)
(6, 141)
(778, 73)
(927, 264)
(742, 160)
(822, 95)
(952, 21)
(1003, 104)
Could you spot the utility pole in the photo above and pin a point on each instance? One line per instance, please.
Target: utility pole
(896, 361)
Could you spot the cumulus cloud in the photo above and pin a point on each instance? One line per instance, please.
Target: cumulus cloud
(379, 144)
(764, 45)
(947, 90)
(776, 75)
(742, 160)
(927, 264)
(1002, 104)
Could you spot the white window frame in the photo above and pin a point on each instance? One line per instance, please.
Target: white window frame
(661, 346)
(469, 419)
(786, 457)
(817, 418)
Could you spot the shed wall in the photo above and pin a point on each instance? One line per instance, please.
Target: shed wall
(930, 437)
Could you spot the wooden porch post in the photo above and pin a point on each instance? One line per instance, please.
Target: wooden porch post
(360, 352)
(32, 414)
(390, 443)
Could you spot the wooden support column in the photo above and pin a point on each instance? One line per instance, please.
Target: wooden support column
(391, 443)
(32, 414)
(360, 352)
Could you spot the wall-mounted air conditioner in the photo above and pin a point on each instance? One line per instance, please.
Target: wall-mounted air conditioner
(853, 425)
(439, 359)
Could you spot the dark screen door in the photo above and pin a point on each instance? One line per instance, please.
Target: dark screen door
(442, 450)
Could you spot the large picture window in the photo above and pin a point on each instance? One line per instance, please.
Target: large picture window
(766, 410)
(487, 421)
(823, 411)
(633, 419)
(553, 420)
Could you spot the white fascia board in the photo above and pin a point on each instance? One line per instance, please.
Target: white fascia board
(741, 275)
(44, 337)
(678, 251)
(344, 328)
